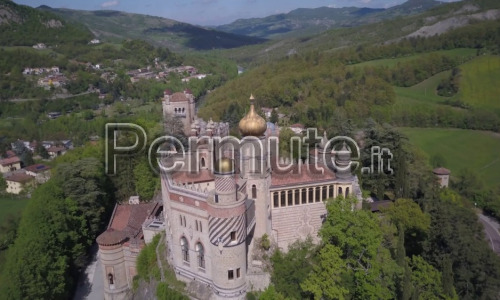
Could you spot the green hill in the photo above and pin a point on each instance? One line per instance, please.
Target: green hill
(480, 83)
(115, 26)
(461, 149)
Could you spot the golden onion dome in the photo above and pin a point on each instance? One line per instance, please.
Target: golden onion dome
(224, 165)
(252, 124)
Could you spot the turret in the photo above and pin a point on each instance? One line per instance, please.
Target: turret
(227, 233)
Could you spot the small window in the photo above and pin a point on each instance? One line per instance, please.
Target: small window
(230, 274)
(201, 227)
(111, 279)
(184, 221)
(233, 236)
(180, 218)
(238, 273)
(290, 198)
(283, 199)
(254, 191)
(196, 225)
(276, 199)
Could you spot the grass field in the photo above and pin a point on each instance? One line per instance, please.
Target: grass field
(462, 149)
(480, 82)
(464, 53)
(11, 205)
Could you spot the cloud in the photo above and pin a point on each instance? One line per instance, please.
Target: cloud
(365, 1)
(109, 4)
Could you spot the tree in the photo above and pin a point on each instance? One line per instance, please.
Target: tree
(40, 149)
(325, 281)
(146, 182)
(291, 268)
(426, 279)
(274, 116)
(369, 267)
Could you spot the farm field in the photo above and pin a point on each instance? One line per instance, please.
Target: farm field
(462, 149)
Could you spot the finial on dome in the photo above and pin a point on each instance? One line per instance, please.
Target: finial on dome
(252, 124)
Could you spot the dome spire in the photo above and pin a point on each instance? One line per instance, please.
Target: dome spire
(252, 124)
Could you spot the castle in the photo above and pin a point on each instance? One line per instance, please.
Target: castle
(227, 196)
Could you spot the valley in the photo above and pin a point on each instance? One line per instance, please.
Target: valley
(419, 80)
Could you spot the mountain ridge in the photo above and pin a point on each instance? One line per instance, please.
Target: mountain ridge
(113, 26)
(304, 21)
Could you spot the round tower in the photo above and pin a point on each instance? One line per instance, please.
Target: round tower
(227, 234)
(116, 285)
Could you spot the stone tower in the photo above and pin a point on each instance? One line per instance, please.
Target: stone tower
(181, 105)
(255, 168)
(227, 233)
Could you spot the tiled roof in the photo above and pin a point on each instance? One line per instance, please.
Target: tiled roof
(38, 168)
(9, 160)
(178, 97)
(441, 171)
(377, 205)
(186, 177)
(126, 223)
(306, 175)
(56, 149)
(19, 177)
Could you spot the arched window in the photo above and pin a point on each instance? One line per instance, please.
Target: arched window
(201, 255)
(311, 195)
(276, 199)
(330, 191)
(254, 191)
(111, 279)
(304, 196)
(346, 192)
(318, 194)
(175, 110)
(202, 162)
(297, 196)
(185, 249)
(183, 109)
(340, 191)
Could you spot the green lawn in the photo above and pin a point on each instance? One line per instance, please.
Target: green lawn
(11, 204)
(464, 53)
(462, 149)
(480, 82)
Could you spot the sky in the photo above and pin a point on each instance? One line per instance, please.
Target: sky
(207, 12)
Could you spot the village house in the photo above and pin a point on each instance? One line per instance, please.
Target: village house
(18, 182)
(40, 172)
(55, 151)
(10, 164)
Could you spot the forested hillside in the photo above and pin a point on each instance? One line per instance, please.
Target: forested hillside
(320, 88)
(23, 26)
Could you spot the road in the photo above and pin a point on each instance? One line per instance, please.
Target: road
(91, 284)
(491, 229)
